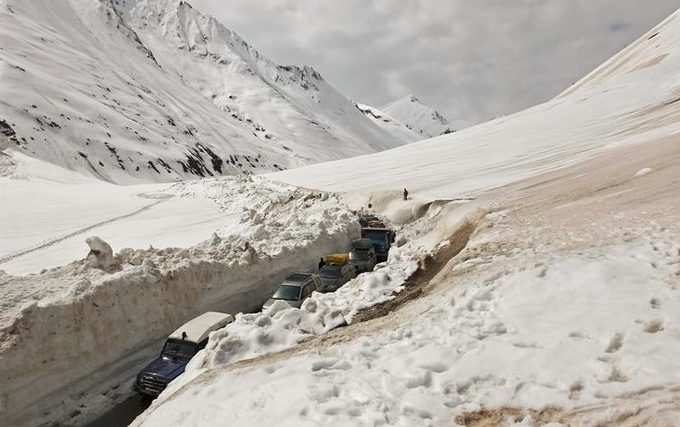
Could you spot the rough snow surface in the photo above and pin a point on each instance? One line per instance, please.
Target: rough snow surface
(48, 228)
(281, 327)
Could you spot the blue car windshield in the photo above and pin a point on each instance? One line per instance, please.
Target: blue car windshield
(287, 293)
(178, 349)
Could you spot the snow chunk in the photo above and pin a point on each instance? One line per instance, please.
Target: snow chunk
(643, 172)
(100, 255)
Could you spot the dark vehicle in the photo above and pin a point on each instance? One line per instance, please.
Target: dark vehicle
(178, 350)
(381, 238)
(370, 220)
(295, 289)
(335, 274)
(362, 255)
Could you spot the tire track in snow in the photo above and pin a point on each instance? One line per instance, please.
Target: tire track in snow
(54, 241)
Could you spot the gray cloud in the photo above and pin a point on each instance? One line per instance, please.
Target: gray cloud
(473, 60)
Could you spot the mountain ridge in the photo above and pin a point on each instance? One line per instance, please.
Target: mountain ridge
(420, 117)
(139, 91)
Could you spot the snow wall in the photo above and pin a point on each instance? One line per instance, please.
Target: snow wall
(61, 356)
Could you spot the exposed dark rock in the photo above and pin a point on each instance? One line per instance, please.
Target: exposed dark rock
(152, 166)
(6, 130)
(166, 166)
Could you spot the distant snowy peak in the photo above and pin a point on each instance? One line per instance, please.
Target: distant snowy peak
(419, 117)
(396, 128)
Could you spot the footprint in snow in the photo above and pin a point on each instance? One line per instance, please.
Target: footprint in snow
(326, 364)
(577, 335)
(617, 376)
(654, 326)
(420, 379)
(575, 390)
(615, 343)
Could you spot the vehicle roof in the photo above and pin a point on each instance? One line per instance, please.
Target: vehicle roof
(293, 284)
(375, 229)
(338, 259)
(299, 277)
(198, 328)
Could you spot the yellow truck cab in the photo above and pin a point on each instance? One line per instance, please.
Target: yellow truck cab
(335, 271)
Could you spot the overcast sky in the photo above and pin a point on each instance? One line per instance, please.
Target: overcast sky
(472, 60)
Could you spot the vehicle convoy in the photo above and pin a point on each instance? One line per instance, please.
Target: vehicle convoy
(178, 350)
(362, 255)
(336, 271)
(295, 289)
(381, 238)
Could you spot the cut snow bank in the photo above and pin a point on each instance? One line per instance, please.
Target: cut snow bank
(65, 348)
(515, 335)
(281, 327)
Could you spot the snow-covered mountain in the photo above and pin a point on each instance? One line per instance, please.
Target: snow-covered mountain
(153, 90)
(420, 118)
(399, 130)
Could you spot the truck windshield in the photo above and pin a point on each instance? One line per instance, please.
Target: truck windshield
(360, 254)
(178, 349)
(378, 238)
(330, 271)
(287, 292)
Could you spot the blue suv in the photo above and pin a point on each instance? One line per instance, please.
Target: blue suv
(178, 350)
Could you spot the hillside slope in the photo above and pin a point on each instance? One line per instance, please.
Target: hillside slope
(631, 99)
(153, 90)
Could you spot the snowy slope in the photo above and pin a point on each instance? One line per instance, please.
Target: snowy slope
(420, 118)
(131, 91)
(560, 310)
(399, 130)
(629, 104)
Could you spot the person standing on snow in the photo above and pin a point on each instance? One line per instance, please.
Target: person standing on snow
(405, 194)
